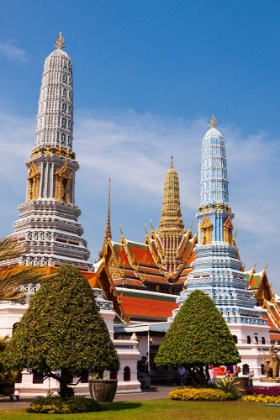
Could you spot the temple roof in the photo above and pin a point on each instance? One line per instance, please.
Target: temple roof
(213, 132)
(151, 306)
(254, 281)
(171, 227)
(136, 265)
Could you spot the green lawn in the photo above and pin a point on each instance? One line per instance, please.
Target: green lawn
(161, 409)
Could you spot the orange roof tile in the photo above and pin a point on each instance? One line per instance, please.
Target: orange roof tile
(92, 279)
(130, 273)
(118, 282)
(270, 321)
(146, 307)
(135, 282)
(142, 254)
(156, 279)
(151, 270)
(274, 336)
(274, 311)
(120, 251)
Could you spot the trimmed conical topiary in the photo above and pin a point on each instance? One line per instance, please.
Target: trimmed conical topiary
(198, 336)
(62, 330)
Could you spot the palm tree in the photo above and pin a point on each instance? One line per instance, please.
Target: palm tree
(13, 275)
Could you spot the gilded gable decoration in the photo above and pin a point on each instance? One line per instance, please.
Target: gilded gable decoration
(33, 182)
(227, 228)
(206, 230)
(63, 184)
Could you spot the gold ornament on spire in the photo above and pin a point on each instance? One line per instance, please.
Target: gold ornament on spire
(108, 232)
(59, 42)
(213, 122)
(171, 162)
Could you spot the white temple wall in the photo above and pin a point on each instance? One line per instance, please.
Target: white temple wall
(127, 351)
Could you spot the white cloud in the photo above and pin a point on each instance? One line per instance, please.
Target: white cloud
(11, 51)
(135, 150)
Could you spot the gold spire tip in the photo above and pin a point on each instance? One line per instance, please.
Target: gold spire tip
(213, 122)
(59, 42)
(172, 162)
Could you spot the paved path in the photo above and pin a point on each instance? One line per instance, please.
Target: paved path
(154, 393)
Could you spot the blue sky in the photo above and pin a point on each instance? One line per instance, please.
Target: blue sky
(147, 77)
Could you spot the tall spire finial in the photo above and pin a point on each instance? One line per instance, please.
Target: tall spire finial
(171, 162)
(59, 42)
(108, 233)
(213, 121)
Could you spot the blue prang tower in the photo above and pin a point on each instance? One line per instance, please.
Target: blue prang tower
(217, 269)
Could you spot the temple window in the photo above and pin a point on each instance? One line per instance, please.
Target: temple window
(114, 375)
(63, 107)
(64, 93)
(37, 378)
(84, 376)
(245, 369)
(248, 339)
(63, 122)
(235, 339)
(263, 340)
(126, 374)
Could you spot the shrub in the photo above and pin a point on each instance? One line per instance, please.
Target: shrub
(62, 332)
(265, 399)
(229, 386)
(197, 337)
(273, 391)
(199, 394)
(57, 405)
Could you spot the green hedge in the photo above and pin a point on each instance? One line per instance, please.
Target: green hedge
(199, 394)
(57, 405)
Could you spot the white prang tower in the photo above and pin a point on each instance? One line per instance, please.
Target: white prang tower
(48, 221)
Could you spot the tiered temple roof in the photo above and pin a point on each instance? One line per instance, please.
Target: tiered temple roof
(140, 304)
(140, 265)
(266, 298)
(160, 264)
(217, 269)
(48, 222)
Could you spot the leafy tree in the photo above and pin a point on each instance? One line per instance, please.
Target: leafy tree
(6, 375)
(13, 276)
(62, 331)
(198, 336)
